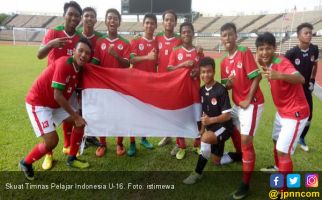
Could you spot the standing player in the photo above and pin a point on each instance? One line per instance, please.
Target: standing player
(59, 42)
(305, 58)
(239, 72)
(167, 40)
(185, 56)
(289, 98)
(144, 57)
(112, 50)
(47, 106)
(216, 121)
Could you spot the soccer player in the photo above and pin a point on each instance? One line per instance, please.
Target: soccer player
(112, 50)
(305, 57)
(167, 40)
(239, 72)
(47, 106)
(143, 56)
(59, 42)
(289, 98)
(185, 56)
(216, 120)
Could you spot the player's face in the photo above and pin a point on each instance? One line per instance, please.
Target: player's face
(82, 54)
(186, 34)
(89, 19)
(228, 39)
(72, 17)
(265, 54)
(112, 22)
(149, 26)
(207, 74)
(169, 22)
(305, 35)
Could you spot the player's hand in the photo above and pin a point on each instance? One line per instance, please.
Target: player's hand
(112, 51)
(194, 73)
(199, 50)
(311, 85)
(231, 78)
(244, 104)
(152, 55)
(188, 63)
(205, 120)
(171, 68)
(79, 121)
(59, 42)
(270, 74)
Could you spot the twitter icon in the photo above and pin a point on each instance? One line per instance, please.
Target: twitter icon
(293, 180)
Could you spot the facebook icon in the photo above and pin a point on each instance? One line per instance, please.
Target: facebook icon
(277, 181)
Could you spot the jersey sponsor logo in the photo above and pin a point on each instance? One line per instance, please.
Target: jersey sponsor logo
(180, 56)
(188, 55)
(45, 124)
(312, 58)
(297, 61)
(120, 47)
(160, 45)
(103, 46)
(141, 47)
(239, 65)
(214, 101)
(233, 73)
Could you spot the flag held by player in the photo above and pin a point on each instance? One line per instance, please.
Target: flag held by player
(130, 102)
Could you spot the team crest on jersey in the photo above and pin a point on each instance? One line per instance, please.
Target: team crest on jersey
(297, 61)
(227, 70)
(103, 46)
(160, 45)
(141, 47)
(214, 101)
(312, 58)
(120, 46)
(180, 56)
(239, 65)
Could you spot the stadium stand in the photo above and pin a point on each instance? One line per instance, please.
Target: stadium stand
(38, 21)
(55, 22)
(19, 21)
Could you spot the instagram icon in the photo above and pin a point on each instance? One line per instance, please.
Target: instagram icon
(311, 180)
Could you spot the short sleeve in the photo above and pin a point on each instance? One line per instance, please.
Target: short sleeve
(250, 65)
(316, 54)
(50, 35)
(224, 101)
(287, 67)
(60, 75)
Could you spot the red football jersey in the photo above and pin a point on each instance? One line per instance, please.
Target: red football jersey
(288, 98)
(165, 47)
(242, 64)
(181, 54)
(67, 50)
(140, 46)
(93, 38)
(103, 58)
(61, 75)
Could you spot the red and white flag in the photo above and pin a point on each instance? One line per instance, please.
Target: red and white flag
(130, 102)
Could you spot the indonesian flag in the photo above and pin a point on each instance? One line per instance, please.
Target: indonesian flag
(130, 102)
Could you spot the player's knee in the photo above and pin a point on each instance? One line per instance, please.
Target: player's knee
(205, 150)
(51, 141)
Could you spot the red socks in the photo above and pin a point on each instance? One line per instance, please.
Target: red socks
(76, 138)
(103, 141)
(132, 140)
(36, 153)
(236, 138)
(249, 158)
(197, 142)
(119, 141)
(67, 130)
(285, 164)
(182, 143)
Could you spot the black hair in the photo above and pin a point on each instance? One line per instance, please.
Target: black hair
(151, 16)
(303, 25)
(187, 24)
(170, 12)
(227, 26)
(73, 4)
(89, 9)
(85, 41)
(207, 61)
(113, 10)
(265, 38)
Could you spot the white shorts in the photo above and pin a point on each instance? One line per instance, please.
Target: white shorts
(287, 132)
(247, 120)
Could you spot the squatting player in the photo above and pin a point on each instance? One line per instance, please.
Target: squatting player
(47, 106)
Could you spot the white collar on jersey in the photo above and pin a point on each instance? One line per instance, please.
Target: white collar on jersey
(189, 51)
(88, 37)
(305, 50)
(208, 89)
(75, 68)
(69, 36)
(115, 39)
(147, 39)
(234, 54)
(168, 39)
